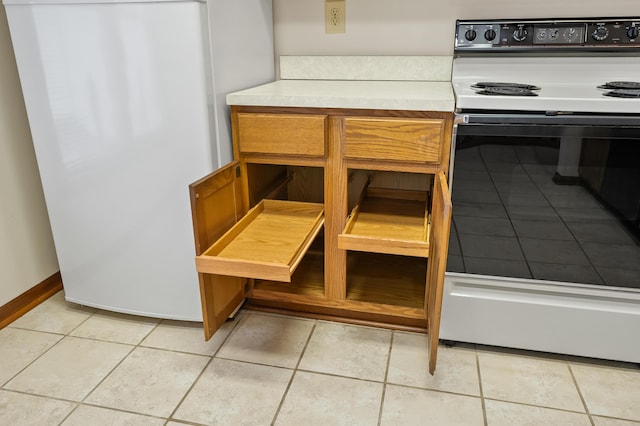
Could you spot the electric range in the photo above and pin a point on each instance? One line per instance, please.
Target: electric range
(545, 177)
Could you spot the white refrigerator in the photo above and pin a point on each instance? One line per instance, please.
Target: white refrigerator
(126, 103)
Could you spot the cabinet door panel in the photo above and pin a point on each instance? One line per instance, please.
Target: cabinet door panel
(438, 247)
(216, 205)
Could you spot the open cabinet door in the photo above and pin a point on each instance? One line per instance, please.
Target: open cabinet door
(438, 247)
(216, 205)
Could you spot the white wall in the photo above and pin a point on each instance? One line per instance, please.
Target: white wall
(27, 254)
(413, 27)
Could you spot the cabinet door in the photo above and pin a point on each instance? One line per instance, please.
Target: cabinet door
(217, 205)
(438, 247)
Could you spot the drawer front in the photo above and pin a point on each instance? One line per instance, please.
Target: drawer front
(395, 139)
(284, 134)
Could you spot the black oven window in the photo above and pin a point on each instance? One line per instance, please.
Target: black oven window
(558, 209)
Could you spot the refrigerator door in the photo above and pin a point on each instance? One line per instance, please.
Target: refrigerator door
(116, 96)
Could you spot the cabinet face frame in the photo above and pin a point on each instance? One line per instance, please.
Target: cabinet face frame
(217, 303)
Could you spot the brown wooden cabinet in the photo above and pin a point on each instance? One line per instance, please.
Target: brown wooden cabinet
(329, 213)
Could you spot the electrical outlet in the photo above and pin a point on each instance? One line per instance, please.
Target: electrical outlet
(334, 16)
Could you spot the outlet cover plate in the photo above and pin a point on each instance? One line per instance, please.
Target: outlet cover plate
(334, 16)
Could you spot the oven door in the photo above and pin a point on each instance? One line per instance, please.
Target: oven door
(545, 233)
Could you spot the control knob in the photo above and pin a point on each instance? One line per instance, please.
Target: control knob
(490, 34)
(633, 32)
(470, 34)
(600, 33)
(520, 34)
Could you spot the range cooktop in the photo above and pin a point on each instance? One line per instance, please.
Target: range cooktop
(576, 65)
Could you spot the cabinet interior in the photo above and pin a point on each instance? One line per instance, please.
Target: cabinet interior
(389, 206)
(386, 279)
(285, 182)
(372, 277)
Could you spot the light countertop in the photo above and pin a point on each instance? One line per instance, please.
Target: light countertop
(359, 94)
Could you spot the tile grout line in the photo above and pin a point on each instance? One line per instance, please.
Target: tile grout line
(183, 422)
(83, 321)
(78, 404)
(295, 370)
(584, 402)
(115, 409)
(414, 387)
(40, 396)
(386, 376)
(545, 407)
(321, 373)
(211, 358)
(482, 399)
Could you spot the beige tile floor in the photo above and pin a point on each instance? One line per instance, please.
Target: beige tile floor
(62, 364)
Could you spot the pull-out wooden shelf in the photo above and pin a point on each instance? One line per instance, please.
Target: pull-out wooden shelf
(388, 221)
(267, 243)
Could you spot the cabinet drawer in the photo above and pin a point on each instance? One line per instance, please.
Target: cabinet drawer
(396, 139)
(284, 134)
(267, 243)
(388, 221)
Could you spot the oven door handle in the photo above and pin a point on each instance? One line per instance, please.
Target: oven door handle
(549, 119)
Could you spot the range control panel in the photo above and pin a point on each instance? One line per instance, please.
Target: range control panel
(596, 34)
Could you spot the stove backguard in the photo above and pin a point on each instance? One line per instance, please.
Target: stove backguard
(545, 35)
